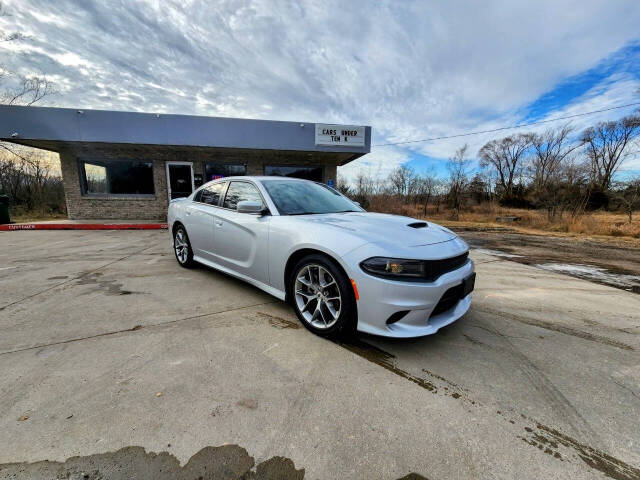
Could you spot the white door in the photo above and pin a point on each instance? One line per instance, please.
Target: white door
(179, 179)
(241, 238)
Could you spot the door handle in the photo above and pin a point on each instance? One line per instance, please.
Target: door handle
(218, 223)
(187, 213)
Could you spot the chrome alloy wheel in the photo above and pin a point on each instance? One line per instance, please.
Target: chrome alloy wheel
(181, 246)
(317, 296)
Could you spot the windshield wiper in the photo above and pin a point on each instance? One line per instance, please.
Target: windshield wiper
(303, 213)
(346, 211)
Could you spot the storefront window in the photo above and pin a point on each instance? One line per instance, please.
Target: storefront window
(116, 177)
(213, 171)
(308, 173)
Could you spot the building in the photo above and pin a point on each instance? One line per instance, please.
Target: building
(127, 165)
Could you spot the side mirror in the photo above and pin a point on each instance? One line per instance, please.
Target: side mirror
(248, 206)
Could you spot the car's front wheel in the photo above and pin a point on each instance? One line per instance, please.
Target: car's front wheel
(182, 247)
(322, 297)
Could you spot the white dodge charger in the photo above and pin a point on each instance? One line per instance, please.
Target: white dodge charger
(341, 268)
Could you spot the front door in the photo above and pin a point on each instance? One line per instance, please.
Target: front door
(240, 238)
(179, 179)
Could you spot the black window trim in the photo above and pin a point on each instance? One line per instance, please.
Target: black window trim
(97, 161)
(265, 204)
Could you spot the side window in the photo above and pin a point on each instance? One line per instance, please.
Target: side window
(239, 191)
(197, 197)
(211, 193)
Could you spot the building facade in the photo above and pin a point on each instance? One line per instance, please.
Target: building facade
(126, 165)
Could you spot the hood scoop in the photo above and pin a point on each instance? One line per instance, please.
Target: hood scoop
(418, 225)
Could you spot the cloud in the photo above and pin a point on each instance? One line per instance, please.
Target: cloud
(410, 69)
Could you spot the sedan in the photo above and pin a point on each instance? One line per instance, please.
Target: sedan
(341, 268)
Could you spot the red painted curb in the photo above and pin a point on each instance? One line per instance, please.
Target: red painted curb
(83, 226)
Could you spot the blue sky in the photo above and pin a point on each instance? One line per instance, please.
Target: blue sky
(622, 64)
(411, 69)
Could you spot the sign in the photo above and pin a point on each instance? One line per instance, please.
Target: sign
(331, 183)
(339, 135)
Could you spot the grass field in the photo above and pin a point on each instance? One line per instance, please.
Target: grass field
(597, 223)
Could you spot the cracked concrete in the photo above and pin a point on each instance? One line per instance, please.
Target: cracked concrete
(539, 380)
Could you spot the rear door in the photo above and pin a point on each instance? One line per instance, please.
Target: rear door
(242, 238)
(200, 221)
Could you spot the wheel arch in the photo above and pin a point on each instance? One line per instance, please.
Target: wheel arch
(177, 224)
(297, 255)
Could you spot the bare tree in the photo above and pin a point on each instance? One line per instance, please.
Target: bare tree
(425, 189)
(458, 167)
(8, 36)
(25, 173)
(628, 194)
(20, 89)
(606, 144)
(403, 181)
(27, 91)
(550, 149)
(505, 156)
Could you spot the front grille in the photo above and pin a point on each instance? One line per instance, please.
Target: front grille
(436, 268)
(449, 300)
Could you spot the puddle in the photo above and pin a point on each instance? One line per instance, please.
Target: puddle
(596, 274)
(228, 462)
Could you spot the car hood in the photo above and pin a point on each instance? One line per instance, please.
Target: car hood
(383, 228)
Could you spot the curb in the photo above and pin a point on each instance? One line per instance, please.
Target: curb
(83, 226)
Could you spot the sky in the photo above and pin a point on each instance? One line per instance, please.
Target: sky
(410, 69)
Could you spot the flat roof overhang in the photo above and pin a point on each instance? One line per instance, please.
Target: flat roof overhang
(59, 129)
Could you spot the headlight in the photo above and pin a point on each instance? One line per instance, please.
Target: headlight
(394, 267)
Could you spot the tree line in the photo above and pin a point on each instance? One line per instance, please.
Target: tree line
(559, 170)
(26, 175)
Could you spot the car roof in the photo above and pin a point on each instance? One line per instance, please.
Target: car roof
(262, 177)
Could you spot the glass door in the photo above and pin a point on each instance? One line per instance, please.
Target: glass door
(179, 179)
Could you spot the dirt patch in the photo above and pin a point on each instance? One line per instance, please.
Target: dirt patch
(110, 287)
(279, 322)
(249, 403)
(387, 361)
(549, 440)
(609, 263)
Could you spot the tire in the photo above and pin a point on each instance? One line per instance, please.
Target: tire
(182, 247)
(336, 317)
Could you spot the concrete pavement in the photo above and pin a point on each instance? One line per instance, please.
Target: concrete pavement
(107, 343)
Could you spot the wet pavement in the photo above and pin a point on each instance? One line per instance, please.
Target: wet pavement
(117, 363)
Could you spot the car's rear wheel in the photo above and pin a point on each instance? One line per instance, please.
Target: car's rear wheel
(322, 297)
(182, 247)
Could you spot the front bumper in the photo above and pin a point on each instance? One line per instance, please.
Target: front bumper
(380, 298)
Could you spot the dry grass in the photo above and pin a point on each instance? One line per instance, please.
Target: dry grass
(20, 216)
(588, 224)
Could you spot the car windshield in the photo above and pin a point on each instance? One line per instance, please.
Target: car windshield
(306, 198)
